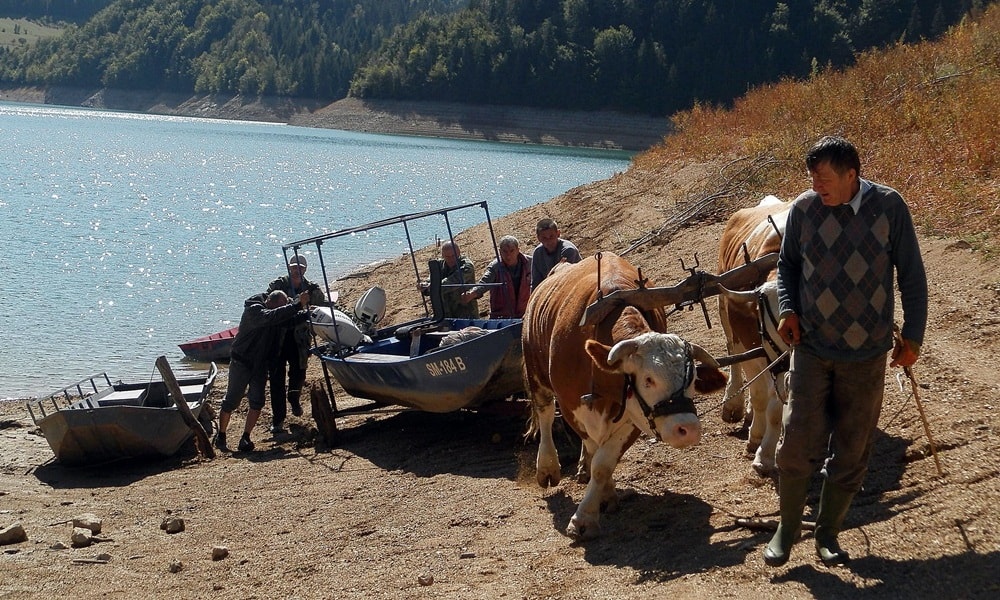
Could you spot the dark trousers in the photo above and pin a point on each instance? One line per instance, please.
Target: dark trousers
(280, 395)
(830, 418)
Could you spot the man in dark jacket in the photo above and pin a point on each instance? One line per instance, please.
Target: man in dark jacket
(293, 342)
(456, 270)
(251, 355)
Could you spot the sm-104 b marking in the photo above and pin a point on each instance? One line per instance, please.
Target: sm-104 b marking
(446, 367)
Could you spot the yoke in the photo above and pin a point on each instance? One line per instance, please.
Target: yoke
(693, 289)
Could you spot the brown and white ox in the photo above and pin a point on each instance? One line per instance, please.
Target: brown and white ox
(744, 315)
(586, 369)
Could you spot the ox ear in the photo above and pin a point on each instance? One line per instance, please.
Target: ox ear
(599, 354)
(708, 377)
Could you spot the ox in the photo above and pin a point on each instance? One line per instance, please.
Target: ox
(744, 315)
(624, 366)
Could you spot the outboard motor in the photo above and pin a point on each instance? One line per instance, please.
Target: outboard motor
(370, 309)
(336, 328)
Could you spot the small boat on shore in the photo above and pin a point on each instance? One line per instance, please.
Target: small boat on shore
(212, 347)
(437, 366)
(95, 421)
(434, 364)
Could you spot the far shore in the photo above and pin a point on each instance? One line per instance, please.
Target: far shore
(511, 124)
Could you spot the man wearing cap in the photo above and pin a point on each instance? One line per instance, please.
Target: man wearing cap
(293, 345)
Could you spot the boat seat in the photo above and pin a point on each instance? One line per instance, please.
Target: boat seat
(405, 332)
(165, 400)
(124, 398)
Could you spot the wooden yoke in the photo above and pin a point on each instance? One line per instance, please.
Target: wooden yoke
(695, 288)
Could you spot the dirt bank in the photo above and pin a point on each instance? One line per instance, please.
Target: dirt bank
(604, 130)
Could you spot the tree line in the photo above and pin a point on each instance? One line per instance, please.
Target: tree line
(639, 56)
(254, 47)
(74, 11)
(652, 56)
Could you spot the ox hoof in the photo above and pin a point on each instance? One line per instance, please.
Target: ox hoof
(733, 414)
(581, 531)
(547, 480)
(762, 470)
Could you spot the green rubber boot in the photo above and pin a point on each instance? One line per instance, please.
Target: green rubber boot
(833, 504)
(791, 502)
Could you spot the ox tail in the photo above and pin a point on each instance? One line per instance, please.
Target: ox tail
(533, 430)
(531, 433)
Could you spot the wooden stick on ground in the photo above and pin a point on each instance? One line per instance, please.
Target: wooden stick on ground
(322, 412)
(201, 438)
(758, 524)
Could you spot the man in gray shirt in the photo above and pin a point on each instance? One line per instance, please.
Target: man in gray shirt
(550, 251)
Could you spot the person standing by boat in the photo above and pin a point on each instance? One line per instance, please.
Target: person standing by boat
(550, 251)
(253, 348)
(293, 346)
(455, 270)
(513, 270)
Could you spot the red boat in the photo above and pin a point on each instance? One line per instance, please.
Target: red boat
(211, 347)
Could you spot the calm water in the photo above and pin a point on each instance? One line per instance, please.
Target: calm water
(125, 234)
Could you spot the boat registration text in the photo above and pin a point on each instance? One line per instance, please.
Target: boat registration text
(446, 367)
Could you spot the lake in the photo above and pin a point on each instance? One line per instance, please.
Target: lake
(125, 234)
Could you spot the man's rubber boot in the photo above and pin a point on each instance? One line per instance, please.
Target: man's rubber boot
(791, 502)
(833, 504)
(293, 399)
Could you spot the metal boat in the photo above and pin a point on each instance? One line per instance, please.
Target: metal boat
(95, 421)
(212, 347)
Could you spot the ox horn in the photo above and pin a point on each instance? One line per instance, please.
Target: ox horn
(622, 350)
(748, 296)
(702, 356)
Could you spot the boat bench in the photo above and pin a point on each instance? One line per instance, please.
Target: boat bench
(124, 398)
(141, 397)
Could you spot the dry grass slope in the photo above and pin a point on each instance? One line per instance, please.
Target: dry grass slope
(924, 117)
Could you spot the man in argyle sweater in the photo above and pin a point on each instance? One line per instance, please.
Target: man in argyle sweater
(845, 241)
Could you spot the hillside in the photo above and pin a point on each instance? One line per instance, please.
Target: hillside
(648, 58)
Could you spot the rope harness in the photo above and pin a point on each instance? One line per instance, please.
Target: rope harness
(768, 335)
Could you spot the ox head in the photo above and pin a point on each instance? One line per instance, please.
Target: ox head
(661, 377)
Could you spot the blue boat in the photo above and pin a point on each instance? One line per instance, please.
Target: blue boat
(433, 364)
(419, 369)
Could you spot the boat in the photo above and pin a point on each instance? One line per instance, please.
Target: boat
(433, 364)
(421, 370)
(212, 347)
(95, 421)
